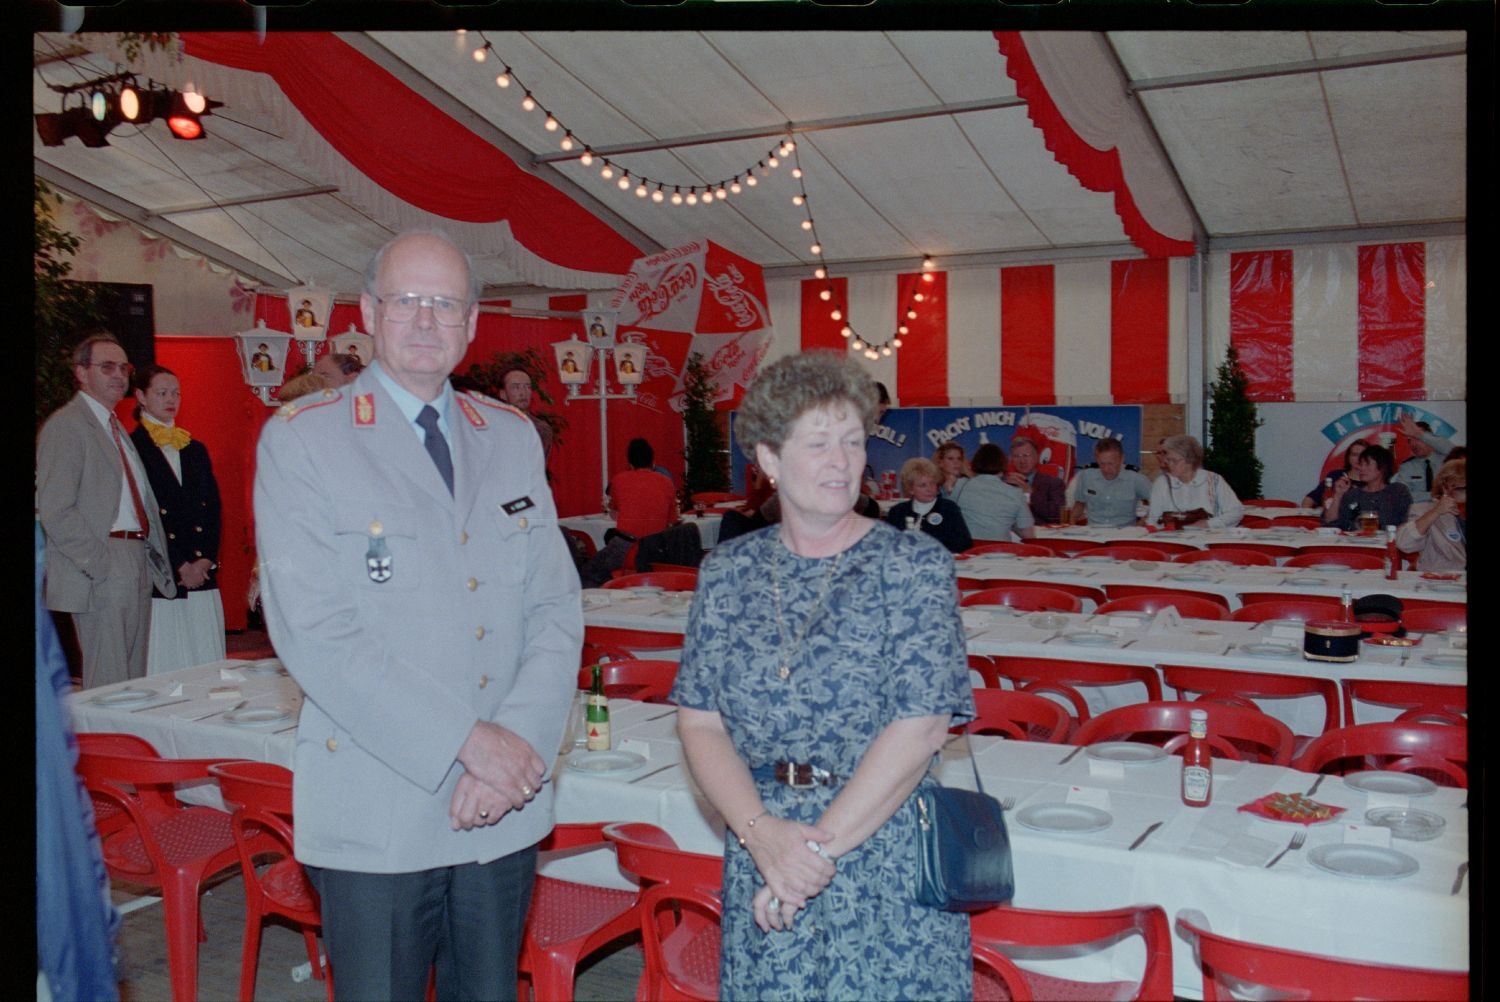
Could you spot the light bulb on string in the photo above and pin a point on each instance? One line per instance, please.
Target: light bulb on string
(550, 124)
(676, 195)
(816, 248)
(503, 80)
(857, 344)
(722, 193)
(872, 355)
(911, 314)
(606, 171)
(692, 197)
(895, 342)
(798, 199)
(918, 297)
(772, 162)
(640, 191)
(846, 331)
(480, 53)
(820, 272)
(928, 264)
(903, 329)
(567, 142)
(587, 158)
(528, 102)
(927, 276)
(735, 186)
(836, 315)
(658, 195)
(797, 173)
(885, 350)
(826, 295)
(807, 224)
(624, 183)
(750, 180)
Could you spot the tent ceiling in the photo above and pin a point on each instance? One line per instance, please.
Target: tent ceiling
(1268, 132)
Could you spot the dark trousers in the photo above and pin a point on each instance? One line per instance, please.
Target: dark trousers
(384, 931)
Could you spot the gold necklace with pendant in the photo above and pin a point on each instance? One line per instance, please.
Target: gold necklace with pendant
(785, 670)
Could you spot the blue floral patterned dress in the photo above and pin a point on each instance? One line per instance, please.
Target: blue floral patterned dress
(885, 643)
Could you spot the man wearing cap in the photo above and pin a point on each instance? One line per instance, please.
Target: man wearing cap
(105, 543)
(418, 590)
(1427, 453)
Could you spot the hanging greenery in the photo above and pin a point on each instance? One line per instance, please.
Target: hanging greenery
(489, 377)
(1230, 450)
(62, 311)
(705, 455)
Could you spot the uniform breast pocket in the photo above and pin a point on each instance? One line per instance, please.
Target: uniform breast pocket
(381, 546)
(516, 539)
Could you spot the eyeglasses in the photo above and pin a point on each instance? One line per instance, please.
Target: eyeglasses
(112, 368)
(401, 307)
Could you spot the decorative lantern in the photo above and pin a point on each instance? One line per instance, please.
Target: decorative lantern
(601, 327)
(573, 358)
(630, 363)
(310, 308)
(353, 342)
(263, 359)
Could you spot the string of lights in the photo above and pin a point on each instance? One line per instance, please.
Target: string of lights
(698, 193)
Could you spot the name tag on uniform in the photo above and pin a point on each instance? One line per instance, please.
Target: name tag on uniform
(518, 505)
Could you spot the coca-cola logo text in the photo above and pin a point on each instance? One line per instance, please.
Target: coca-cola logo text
(674, 281)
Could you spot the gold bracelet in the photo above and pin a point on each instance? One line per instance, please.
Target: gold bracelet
(750, 824)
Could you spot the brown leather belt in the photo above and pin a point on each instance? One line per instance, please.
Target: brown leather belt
(798, 775)
(127, 534)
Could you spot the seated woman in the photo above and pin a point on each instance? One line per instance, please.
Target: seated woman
(1314, 498)
(1186, 493)
(949, 458)
(1374, 492)
(934, 515)
(992, 508)
(1438, 530)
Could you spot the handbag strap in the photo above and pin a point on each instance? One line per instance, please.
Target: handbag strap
(978, 783)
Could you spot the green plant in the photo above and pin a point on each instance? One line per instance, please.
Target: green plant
(62, 310)
(1230, 450)
(705, 454)
(489, 377)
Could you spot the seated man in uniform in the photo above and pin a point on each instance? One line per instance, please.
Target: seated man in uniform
(1106, 493)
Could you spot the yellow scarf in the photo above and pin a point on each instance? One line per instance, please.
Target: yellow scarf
(163, 436)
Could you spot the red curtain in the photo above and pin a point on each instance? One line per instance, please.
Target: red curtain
(922, 360)
(1260, 320)
(1139, 303)
(1392, 321)
(1028, 356)
(819, 329)
(406, 145)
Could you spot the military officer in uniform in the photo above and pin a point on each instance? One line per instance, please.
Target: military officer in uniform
(417, 588)
(1106, 494)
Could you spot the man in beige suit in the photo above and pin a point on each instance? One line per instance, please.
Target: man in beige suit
(418, 590)
(105, 544)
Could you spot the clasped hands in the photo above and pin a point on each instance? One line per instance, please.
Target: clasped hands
(501, 773)
(194, 573)
(794, 872)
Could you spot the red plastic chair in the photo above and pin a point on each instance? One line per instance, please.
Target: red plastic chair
(1233, 731)
(261, 795)
(1115, 591)
(1239, 688)
(1094, 595)
(1231, 967)
(997, 977)
(1303, 609)
(569, 921)
(678, 913)
(1271, 503)
(1153, 542)
(1438, 751)
(1257, 597)
(1242, 557)
(1409, 604)
(1355, 560)
(648, 681)
(1027, 599)
(716, 498)
(1132, 551)
(161, 843)
(1020, 716)
(1255, 522)
(1062, 677)
(660, 568)
(1274, 550)
(1017, 549)
(1065, 547)
(1296, 521)
(1420, 702)
(1188, 606)
(985, 666)
(620, 639)
(1433, 618)
(583, 539)
(665, 580)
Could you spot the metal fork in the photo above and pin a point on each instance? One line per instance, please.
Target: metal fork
(1008, 804)
(1297, 842)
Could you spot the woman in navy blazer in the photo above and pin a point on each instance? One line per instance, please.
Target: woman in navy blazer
(189, 629)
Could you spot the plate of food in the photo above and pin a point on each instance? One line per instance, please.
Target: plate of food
(1293, 809)
(1386, 640)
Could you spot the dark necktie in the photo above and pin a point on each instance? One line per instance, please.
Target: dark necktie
(135, 491)
(437, 445)
(1427, 470)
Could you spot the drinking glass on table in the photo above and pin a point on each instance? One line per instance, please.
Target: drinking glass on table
(1369, 522)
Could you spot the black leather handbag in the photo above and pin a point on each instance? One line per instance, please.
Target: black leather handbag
(963, 850)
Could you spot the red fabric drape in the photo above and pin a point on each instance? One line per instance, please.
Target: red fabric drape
(406, 145)
(1096, 170)
(1392, 321)
(819, 330)
(922, 360)
(1260, 320)
(1028, 319)
(1138, 331)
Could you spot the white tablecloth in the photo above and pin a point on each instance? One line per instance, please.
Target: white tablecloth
(1202, 537)
(596, 525)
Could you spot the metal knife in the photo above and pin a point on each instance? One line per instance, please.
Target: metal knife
(1314, 788)
(1145, 835)
(157, 706)
(1069, 757)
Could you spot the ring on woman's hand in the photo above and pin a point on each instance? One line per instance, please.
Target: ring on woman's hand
(774, 904)
(484, 814)
(526, 790)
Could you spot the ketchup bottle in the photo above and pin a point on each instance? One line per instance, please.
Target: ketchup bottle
(1197, 762)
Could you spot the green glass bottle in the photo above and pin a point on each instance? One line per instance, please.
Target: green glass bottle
(597, 716)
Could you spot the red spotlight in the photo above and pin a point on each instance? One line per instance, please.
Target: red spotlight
(185, 126)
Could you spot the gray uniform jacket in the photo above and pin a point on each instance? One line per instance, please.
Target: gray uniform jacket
(479, 619)
(77, 498)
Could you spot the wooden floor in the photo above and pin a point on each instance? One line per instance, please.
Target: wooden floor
(142, 957)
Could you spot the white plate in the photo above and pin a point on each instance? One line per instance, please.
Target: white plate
(1450, 586)
(594, 601)
(605, 761)
(258, 716)
(1305, 581)
(1296, 624)
(1072, 819)
(1139, 617)
(1129, 752)
(1188, 577)
(1047, 621)
(1447, 660)
(125, 696)
(1407, 822)
(1327, 567)
(1144, 565)
(1376, 781)
(1367, 862)
(1269, 650)
(1089, 639)
(1091, 558)
(269, 666)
